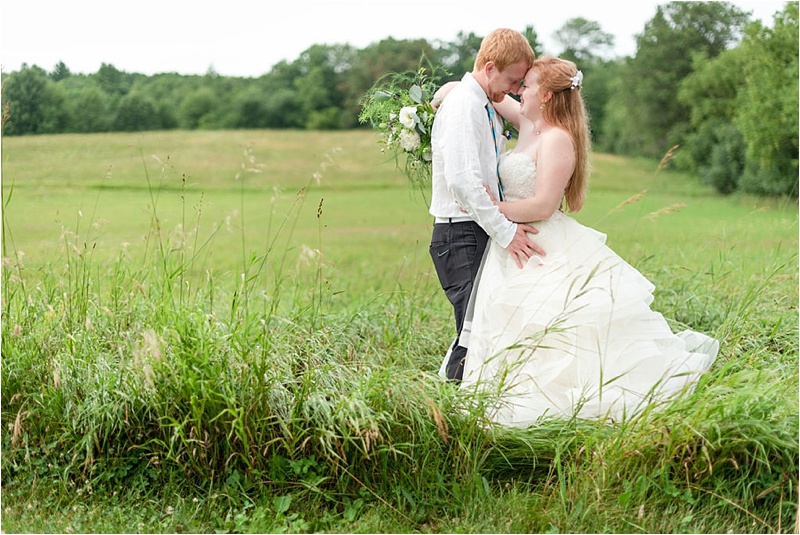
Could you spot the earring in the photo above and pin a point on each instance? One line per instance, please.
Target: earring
(542, 106)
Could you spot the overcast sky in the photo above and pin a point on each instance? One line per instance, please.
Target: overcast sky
(246, 38)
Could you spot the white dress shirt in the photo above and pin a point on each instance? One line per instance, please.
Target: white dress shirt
(465, 158)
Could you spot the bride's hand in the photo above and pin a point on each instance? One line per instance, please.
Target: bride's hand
(442, 92)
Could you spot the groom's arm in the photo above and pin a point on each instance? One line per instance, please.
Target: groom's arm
(463, 169)
(465, 182)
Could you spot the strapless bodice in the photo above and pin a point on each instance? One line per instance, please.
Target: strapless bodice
(518, 175)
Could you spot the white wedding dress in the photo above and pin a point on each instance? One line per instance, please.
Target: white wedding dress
(572, 333)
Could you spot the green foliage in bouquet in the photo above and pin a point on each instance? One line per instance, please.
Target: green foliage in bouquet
(398, 106)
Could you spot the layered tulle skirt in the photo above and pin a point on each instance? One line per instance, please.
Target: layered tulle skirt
(573, 334)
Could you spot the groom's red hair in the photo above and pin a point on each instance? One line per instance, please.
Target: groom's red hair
(505, 47)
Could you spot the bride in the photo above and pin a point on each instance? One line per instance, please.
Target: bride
(571, 333)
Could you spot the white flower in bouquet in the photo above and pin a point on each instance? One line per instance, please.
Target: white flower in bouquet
(408, 116)
(409, 140)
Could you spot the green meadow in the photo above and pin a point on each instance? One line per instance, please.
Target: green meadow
(240, 331)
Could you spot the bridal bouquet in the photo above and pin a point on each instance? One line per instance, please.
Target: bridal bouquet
(398, 106)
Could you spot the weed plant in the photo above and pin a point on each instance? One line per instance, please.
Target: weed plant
(147, 392)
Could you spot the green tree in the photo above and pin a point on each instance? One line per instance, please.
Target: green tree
(274, 97)
(60, 72)
(583, 41)
(35, 103)
(136, 112)
(168, 90)
(319, 85)
(458, 56)
(654, 119)
(767, 107)
(113, 81)
(726, 159)
(282, 109)
(248, 110)
(391, 55)
(533, 39)
(198, 109)
(598, 87)
(90, 110)
(712, 146)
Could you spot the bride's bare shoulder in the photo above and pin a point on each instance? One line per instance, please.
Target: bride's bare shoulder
(556, 137)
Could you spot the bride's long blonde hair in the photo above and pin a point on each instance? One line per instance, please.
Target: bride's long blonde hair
(566, 110)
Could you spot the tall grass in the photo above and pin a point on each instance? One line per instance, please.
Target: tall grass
(258, 399)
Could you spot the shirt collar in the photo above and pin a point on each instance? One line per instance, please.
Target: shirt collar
(472, 84)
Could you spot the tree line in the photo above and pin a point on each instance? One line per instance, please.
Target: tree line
(704, 77)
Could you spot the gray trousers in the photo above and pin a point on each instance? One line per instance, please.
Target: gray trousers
(457, 250)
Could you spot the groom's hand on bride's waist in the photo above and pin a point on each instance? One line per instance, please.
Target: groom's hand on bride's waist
(522, 247)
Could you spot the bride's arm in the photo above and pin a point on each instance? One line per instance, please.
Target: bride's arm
(555, 165)
(509, 109)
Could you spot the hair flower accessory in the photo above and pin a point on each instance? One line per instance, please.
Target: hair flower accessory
(577, 80)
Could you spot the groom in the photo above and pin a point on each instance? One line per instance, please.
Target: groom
(466, 143)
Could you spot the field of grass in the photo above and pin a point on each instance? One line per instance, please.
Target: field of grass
(239, 332)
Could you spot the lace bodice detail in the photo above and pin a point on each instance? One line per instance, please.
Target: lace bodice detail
(518, 175)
